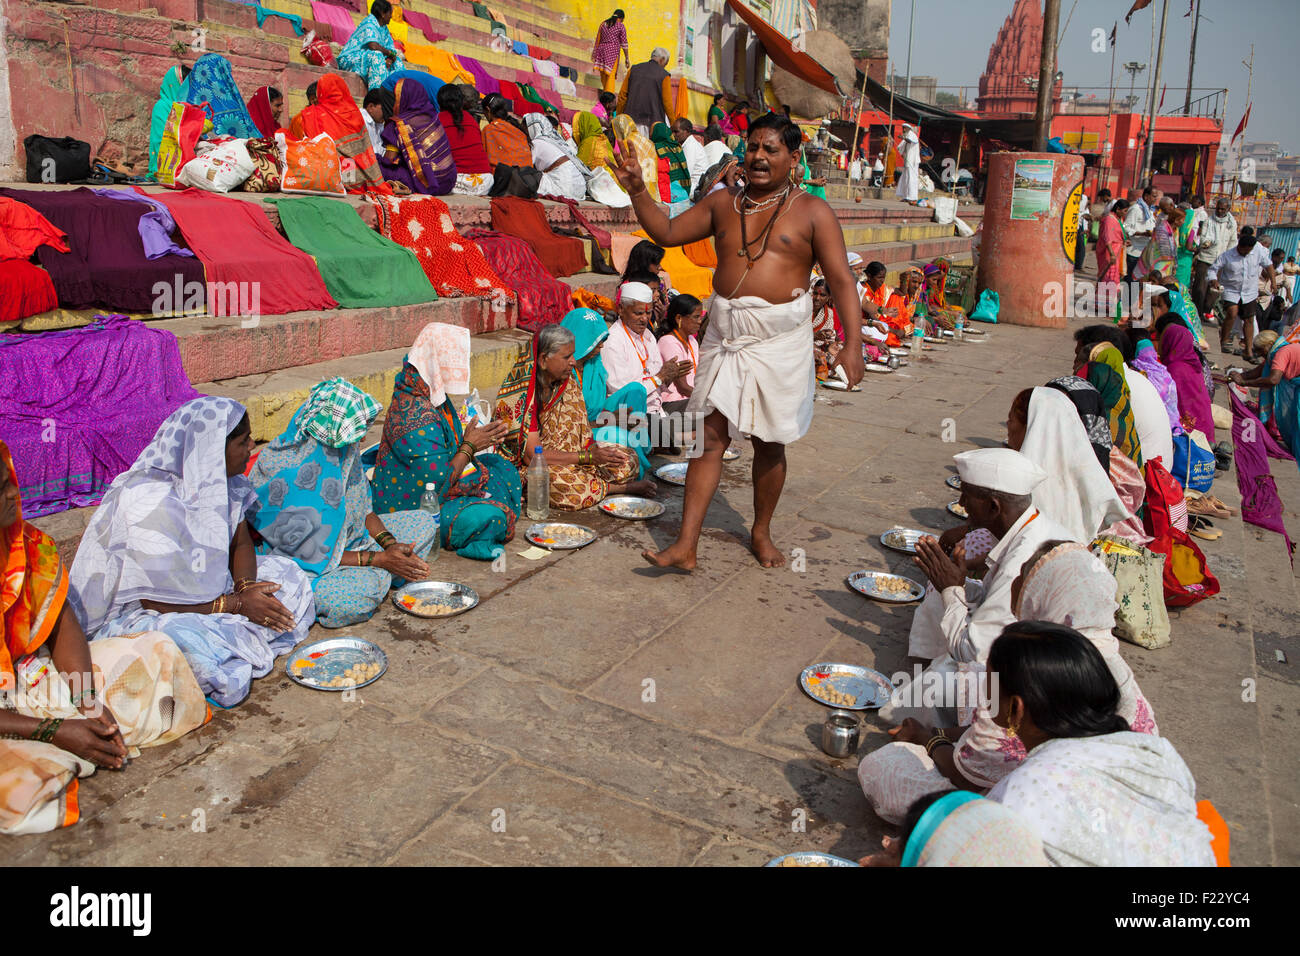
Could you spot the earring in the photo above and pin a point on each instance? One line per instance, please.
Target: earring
(1011, 731)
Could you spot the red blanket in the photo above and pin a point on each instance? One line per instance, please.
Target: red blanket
(526, 219)
(25, 290)
(236, 243)
(543, 299)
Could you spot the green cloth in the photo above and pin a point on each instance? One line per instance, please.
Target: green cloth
(818, 191)
(669, 149)
(360, 267)
(336, 413)
(171, 91)
(1183, 266)
(481, 11)
(533, 96)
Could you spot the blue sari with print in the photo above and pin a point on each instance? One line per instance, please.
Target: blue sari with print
(589, 331)
(211, 82)
(370, 65)
(1282, 402)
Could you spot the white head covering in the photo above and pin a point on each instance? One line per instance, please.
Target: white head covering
(1075, 493)
(854, 259)
(163, 530)
(909, 133)
(635, 292)
(999, 469)
(441, 356)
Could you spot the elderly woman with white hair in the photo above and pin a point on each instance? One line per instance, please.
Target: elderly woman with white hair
(541, 404)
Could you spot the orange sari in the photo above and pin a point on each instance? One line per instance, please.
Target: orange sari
(504, 143)
(880, 298)
(337, 114)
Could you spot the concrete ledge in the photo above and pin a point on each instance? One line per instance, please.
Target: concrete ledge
(272, 398)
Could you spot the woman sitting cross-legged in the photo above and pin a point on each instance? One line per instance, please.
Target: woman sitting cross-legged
(70, 706)
(425, 441)
(169, 550)
(541, 403)
(615, 418)
(316, 508)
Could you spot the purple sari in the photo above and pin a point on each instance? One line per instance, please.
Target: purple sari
(1148, 363)
(1260, 504)
(416, 151)
(80, 405)
(1179, 355)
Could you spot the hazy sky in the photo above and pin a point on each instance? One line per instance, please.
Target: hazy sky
(953, 39)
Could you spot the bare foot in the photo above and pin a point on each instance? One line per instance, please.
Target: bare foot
(676, 555)
(768, 554)
(646, 488)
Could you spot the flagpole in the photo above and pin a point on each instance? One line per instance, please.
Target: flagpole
(1155, 85)
(1191, 60)
(1250, 79)
(1110, 103)
(857, 125)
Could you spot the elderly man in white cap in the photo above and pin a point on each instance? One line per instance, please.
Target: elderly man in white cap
(997, 486)
(909, 178)
(631, 353)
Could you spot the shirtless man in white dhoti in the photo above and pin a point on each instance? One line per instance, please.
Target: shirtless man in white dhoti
(756, 374)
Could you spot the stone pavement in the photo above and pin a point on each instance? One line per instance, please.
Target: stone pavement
(595, 711)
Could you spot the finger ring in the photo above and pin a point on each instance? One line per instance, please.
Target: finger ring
(267, 622)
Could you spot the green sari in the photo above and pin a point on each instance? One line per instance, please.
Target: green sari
(478, 509)
(1183, 263)
(669, 149)
(1105, 371)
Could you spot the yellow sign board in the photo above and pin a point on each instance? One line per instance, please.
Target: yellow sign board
(1070, 221)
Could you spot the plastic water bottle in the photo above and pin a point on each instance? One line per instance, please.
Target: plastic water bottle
(918, 336)
(958, 327)
(539, 487)
(430, 505)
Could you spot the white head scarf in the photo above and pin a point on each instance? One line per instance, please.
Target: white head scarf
(540, 128)
(1077, 493)
(163, 531)
(441, 356)
(982, 833)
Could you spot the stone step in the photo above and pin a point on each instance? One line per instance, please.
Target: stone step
(272, 397)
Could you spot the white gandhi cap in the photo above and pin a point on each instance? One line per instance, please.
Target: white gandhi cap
(998, 469)
(635, 292)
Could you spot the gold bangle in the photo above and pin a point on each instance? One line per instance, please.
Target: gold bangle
(219, 604)
(939, 738)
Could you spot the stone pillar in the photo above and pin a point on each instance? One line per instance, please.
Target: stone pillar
(10, 171)
(1023, 259)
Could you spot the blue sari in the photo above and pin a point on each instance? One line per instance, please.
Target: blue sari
(479, 508)
(211, 82)
(1282, 402)
(370, 65)
(589, 331)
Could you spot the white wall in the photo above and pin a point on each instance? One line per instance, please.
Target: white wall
(9, 169)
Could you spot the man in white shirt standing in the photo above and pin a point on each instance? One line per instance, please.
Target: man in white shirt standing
(1236, 274)
(697, 162)
(1218, 234)
(1139, 224)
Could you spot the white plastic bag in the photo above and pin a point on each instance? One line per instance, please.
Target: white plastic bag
(963, 230)
(945, 209)
(219, 168)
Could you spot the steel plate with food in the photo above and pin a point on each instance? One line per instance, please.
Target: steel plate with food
(902, 539)
(883, 586)
(336, 663)
(435, 598)
(559, 536)
(846, 686)
(631, 507)
(674, 472)
(954, 507)
(809, 858)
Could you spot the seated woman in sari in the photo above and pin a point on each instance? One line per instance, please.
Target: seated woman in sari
(959, 828)
(900, 309)
(71, 706)
(937, 310)
(315, 508)
(1278, 381)
(1085, 762)
(175, 88)
(563, 174)
(416, 152)
(675, 182)
(425, 441)
(594, 148)
(1105, 371)
(828, 334)
(370, 51)
(503, 141)
(336, 113)
(266, 107)
(541, 403)
(1186, 365)
(169, 549)
(589, 334)
(473, 171)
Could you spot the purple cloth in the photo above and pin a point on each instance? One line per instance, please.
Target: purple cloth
(1260, 504)
(156, 226)
(79, 405)
(107, 267)
(422, 23)
(1179, 355)
(484, 83)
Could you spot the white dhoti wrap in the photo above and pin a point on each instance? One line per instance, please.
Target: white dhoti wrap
(756, 367)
